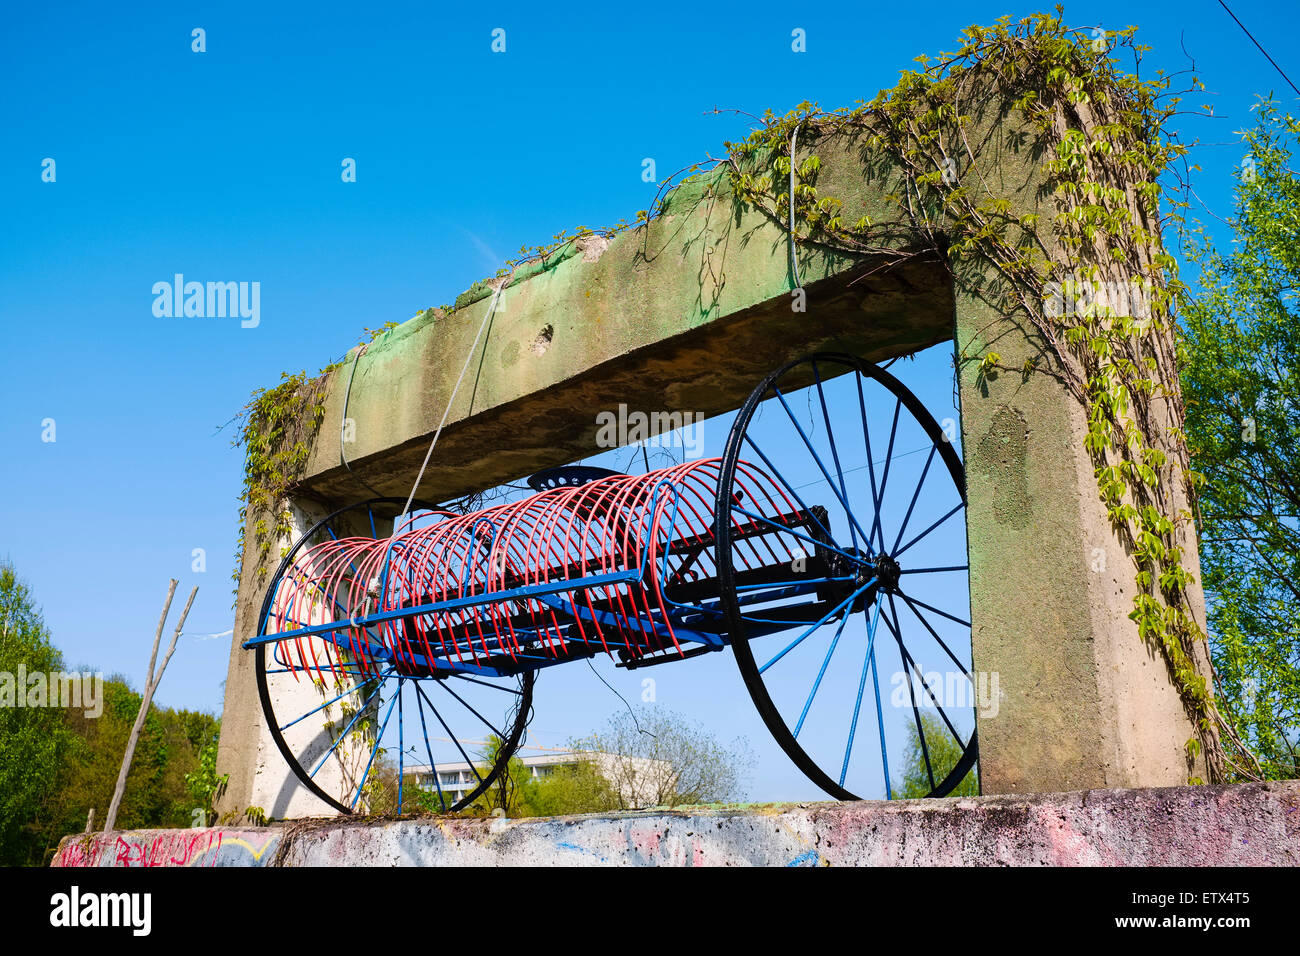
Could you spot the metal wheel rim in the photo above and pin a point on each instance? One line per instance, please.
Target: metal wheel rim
(508, 748)
(754, 683)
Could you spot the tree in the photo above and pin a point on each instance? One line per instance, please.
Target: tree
(159, 792)
(655, 757)
(58, 762)
(943, 751)
(33, 739)
(205, 786)
(579, 787)
(513, 792)
(1240, 367)
(508, 790)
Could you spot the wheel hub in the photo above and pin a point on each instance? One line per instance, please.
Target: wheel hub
(886, 571)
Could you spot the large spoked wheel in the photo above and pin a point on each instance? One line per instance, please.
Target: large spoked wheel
(864, 677)
(357, 733)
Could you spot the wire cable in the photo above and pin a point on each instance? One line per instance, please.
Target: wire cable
(469, 357)
(343, 421)
(630, 712)
(794, 262)
(1261, 49)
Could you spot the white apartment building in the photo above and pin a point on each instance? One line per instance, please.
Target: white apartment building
(457, 779)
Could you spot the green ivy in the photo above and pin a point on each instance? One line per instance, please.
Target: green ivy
(1103, 134)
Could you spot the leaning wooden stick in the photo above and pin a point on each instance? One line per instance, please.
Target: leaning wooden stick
(151, 684)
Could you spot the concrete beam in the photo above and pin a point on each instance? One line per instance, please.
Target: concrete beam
(1243, 825)
(687, 313)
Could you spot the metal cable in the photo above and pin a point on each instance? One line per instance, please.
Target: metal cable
(492, 307)
(794, 262)
(347, 397)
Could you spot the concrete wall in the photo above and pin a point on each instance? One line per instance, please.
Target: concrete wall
(1244, 825)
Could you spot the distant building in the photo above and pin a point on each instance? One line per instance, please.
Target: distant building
(635, 778)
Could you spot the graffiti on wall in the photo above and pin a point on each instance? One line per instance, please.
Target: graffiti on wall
(153, 848)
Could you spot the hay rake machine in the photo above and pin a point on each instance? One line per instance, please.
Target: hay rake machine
(825, 547)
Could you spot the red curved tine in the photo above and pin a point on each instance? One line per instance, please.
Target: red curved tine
(661, 522)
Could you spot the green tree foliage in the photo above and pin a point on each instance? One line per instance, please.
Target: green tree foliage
(510, 791)
(572, 788)
(204, 785)
(564, 788)
(1241, 379)
(655, 757)
(56, 763)
(33, 740)
(158, 793)
(943, 751)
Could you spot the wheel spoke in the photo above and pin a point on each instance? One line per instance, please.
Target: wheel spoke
(450, 734)
(884, 475)
(401, 745)
(817, 458)
(789, 530)
(820, 674)
(868, 662)
(447, 687)
(911, 693)
(908, 659)
(929, 529)
(830, 614)
(777, 474)
(835, 455)
(915, 495)
(933, 633)
(314, 710)
(871, 470)
(919, 603)
(346, 730)
(483, 683)
(880, 725)
(428, 747)
(379, 739)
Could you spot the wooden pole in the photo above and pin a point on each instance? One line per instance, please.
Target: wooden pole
(151, 684)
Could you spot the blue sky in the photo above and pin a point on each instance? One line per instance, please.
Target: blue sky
(226, 165)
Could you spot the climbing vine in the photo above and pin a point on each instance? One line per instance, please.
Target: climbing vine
(276, 429)
(1092, 279)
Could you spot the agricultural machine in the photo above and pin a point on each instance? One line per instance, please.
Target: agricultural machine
(825, 547)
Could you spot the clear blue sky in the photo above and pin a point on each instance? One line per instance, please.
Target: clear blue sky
(225, 165)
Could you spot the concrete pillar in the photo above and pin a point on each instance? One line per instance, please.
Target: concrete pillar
(1085, 702)
(259, 775)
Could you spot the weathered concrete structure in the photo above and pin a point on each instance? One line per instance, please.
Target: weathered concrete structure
(1243, 825)
(689, 312)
